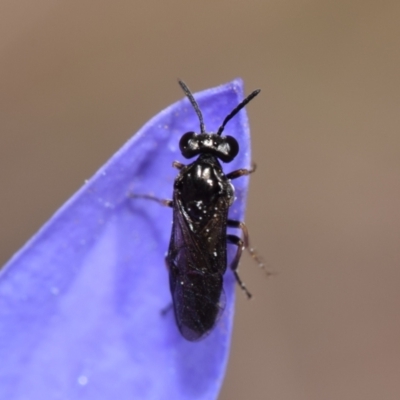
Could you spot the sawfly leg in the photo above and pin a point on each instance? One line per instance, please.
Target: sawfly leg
(235, 263)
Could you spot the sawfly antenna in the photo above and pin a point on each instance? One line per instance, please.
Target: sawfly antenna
(196, 107)
(237, 109)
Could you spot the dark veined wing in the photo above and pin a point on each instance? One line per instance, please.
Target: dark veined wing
(197, 262)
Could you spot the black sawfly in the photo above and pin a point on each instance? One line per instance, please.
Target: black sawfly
(197, 254)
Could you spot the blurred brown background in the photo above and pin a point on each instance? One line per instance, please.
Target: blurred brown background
(77, 78)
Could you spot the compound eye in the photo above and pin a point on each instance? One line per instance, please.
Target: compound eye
(228, 149)
(188, 145)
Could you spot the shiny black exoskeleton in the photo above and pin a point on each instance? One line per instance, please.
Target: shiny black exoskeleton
(197, 254)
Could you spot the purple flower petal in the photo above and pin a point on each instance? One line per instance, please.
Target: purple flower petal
(80, 303)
